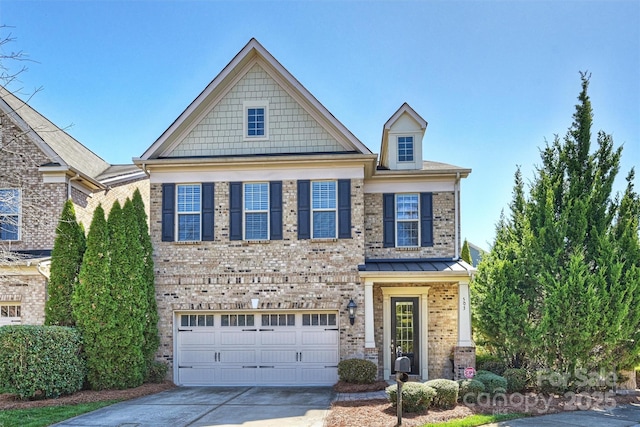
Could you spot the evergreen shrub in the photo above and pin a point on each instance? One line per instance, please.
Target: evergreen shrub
(416, 397)
(358, 371)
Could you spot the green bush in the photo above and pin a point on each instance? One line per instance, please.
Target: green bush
(358, 371)
(492, 383)
(469, 390)
(516, 379)
(491, 363)
(41, 361)
(156, 372)
(416, 397)
(446, 393)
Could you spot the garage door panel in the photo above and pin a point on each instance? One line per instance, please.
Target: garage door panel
(320, 356)
(320, 375)
(196, 357)
(196, 376)
(321, 337)
(238, 337)
(186, 338)
(239, 375)
(245, 356)
(278, 356)
(278, 375)
(278, 337)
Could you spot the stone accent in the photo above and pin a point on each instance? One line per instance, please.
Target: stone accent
(443, 230)
(463, 357)
(291, 128)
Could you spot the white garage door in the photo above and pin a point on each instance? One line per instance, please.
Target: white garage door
(257, 349)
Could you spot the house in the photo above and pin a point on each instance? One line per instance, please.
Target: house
(283, 245)
(41, 166)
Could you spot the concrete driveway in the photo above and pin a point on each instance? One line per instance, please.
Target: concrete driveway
(216, 406)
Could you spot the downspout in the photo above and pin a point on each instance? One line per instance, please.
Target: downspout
(456, 195)
(74, 178)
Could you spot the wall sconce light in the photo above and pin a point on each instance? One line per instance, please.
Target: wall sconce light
(352, 310)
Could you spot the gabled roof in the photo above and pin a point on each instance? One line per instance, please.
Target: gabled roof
(60, 147)
(253, 52)
(404, 109)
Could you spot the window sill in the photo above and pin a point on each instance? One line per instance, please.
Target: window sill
(188, 242)
(324, 240)
(408, 248)
(257, 242)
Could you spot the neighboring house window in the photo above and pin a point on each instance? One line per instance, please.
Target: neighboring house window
(10, 314)
(256, 120)
(9, 214)
(405, 149)
(407, 220)
(256, 211)
(324, 206)
(189, 212)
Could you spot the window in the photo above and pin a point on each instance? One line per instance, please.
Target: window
(189, 212)
(319, 319)
(256, 120)
(196, 320)
(256, 211)
(237, 320)
(323, 205)
(407, 220)
(278, 320)
(9, 214)
(405, 149)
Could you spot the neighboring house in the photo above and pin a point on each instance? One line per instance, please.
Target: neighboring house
(270, 220)
(41, 166)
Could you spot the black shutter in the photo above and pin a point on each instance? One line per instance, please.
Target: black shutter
(235, 211)
(275, 210)
(344, 208)
(168, 212)
(207, 211)
(388, 220)
(304, 209)
(426, 219)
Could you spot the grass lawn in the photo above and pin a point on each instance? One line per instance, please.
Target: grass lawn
(40, 417)
(477, 420)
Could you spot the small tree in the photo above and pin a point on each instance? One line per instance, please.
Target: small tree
(466, 253)
(66, 260)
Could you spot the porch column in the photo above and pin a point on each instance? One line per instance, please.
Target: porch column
(369, 340)
(464, 316)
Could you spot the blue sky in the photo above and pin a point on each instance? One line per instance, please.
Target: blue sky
(494, 79)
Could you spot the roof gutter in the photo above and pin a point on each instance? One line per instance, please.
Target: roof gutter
(456, 197)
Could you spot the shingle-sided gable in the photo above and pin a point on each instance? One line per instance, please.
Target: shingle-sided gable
(296, 123)
(291, 128)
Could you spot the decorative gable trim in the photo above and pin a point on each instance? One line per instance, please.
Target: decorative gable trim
(251, 54)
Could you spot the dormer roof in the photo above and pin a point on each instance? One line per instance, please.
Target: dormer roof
(420, 126)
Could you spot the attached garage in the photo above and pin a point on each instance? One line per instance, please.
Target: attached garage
(254, 348)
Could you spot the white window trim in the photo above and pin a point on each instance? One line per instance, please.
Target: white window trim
(255, 104)
(413, 148)
(178, 213)
(245, 211)
(396, 220)
(335, 210)
(19, 215)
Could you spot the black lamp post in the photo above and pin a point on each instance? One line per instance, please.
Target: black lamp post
(352, 310)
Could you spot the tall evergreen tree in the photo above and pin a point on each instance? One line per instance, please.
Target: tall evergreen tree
(129, 296)
(465, 254)
(66, 259)
(94, 308)
(560, 288)
(152, 339)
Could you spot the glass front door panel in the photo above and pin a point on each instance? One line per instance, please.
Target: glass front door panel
(405, 336)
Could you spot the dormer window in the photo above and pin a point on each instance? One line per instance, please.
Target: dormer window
(256, 120)
(405, 149)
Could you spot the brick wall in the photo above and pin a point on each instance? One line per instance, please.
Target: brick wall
(286, 274)
(443, 230)
(29, 290)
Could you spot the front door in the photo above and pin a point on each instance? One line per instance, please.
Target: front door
(404, 332)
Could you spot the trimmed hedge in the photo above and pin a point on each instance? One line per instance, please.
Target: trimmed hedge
(469, 390)
(446, 393)
(41, 361)
(416, 397)
(493, 383)
(358, 371)
(516, 379)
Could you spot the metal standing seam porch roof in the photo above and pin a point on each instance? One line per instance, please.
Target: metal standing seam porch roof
(417, 265)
